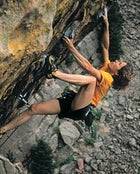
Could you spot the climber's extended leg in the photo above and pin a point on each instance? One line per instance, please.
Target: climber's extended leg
(52, 107)
(48, 107)
(86, 92)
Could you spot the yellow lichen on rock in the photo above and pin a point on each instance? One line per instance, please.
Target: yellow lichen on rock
(25, 28)
(30, 27)
(15, 45)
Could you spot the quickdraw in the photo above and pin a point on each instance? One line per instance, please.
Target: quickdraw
(22, 98)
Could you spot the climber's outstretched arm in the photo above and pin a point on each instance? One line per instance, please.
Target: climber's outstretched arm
(82, 61)
(105, 39)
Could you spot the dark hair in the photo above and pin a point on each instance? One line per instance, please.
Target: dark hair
(121, 81)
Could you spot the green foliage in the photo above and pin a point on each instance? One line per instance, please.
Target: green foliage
(97, 113)
(41, 159)
(69, 60)
(10, 156)
(115, 27)
(67, 89)
(138, 170)
(89, 140)
(107, 118)
(116, 22)
(95, 128)
(66, 161)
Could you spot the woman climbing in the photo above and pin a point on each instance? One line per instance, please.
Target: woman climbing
(93, 87)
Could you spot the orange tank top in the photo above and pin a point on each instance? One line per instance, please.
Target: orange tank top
(102, 87)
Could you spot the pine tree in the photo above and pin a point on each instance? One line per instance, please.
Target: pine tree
(115, 28)
(115, 22)
(41, 159)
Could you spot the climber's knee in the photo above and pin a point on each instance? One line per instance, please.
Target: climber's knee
(34, 109)
(93, 81)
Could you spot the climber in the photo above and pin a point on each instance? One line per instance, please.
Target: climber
(93, 87)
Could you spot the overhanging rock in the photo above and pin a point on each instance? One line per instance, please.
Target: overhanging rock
(27, 30)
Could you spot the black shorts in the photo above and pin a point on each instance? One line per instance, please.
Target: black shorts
(66, 112)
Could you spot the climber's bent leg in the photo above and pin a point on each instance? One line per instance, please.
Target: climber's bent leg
(77, 106)
(84, 95)
(86, 92)
(75, 79)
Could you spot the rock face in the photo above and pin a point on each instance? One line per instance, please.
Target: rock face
(27, 29)
(7, 167)
(116, 147)
(69, 133)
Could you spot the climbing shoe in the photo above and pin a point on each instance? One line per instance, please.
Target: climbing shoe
(89, 118)
(49, 65)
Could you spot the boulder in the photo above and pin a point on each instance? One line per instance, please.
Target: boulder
(69, 132)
